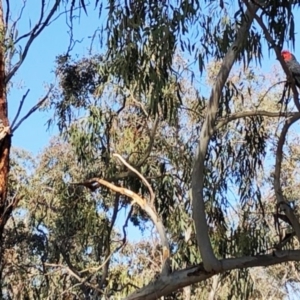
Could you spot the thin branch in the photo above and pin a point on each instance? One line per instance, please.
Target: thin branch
(269, 89)
(39, 27)
(165, 285)
(263, 113)
(277, 51)
(209, 260)
(32, 110)
(80, 280)
(108, 253)
(281, 201)
(20, 108)
(144, 180)
(124, 228)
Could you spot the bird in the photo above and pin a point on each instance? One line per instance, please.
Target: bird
(293, 65)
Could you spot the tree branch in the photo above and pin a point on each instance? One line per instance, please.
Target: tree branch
(95, 183)
(165, 285)
(39, 27)
(209, 260)
(245, 114)
(281, 201)
(30, 112)
(20, 108)
(145, 182)
(108, 254)
(277, 52)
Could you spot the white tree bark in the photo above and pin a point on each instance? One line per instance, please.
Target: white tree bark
(210, 262)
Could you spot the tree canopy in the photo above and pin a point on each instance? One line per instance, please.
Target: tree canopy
(175, 171)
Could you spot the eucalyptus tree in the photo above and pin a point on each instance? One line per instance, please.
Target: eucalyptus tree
(227, 142)
(15, 46)
(142, 137)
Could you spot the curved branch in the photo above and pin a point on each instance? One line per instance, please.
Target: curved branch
(209, 260)
(277, 184)
(263, 113)
(165, 285)
(146, 183)
(95, 183)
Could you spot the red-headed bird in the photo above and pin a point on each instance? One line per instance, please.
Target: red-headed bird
(293, 65)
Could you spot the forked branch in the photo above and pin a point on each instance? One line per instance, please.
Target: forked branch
(147, 206)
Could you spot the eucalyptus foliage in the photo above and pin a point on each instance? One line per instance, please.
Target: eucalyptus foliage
(143, 99)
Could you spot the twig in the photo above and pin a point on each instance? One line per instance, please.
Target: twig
(269, 89)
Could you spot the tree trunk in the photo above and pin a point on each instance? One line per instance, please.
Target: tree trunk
(5, 143)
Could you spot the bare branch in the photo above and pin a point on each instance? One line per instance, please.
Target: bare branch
(72, 273)
(94, 183)
(31, 111)
(20, 108)
(281, 201)
(269, 89)
(209, 260)
(165, 285)
(277, 51)
(39, 27)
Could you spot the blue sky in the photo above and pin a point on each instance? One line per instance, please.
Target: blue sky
(38, 70)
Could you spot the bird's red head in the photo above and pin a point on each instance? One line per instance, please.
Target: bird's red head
(286, 55)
